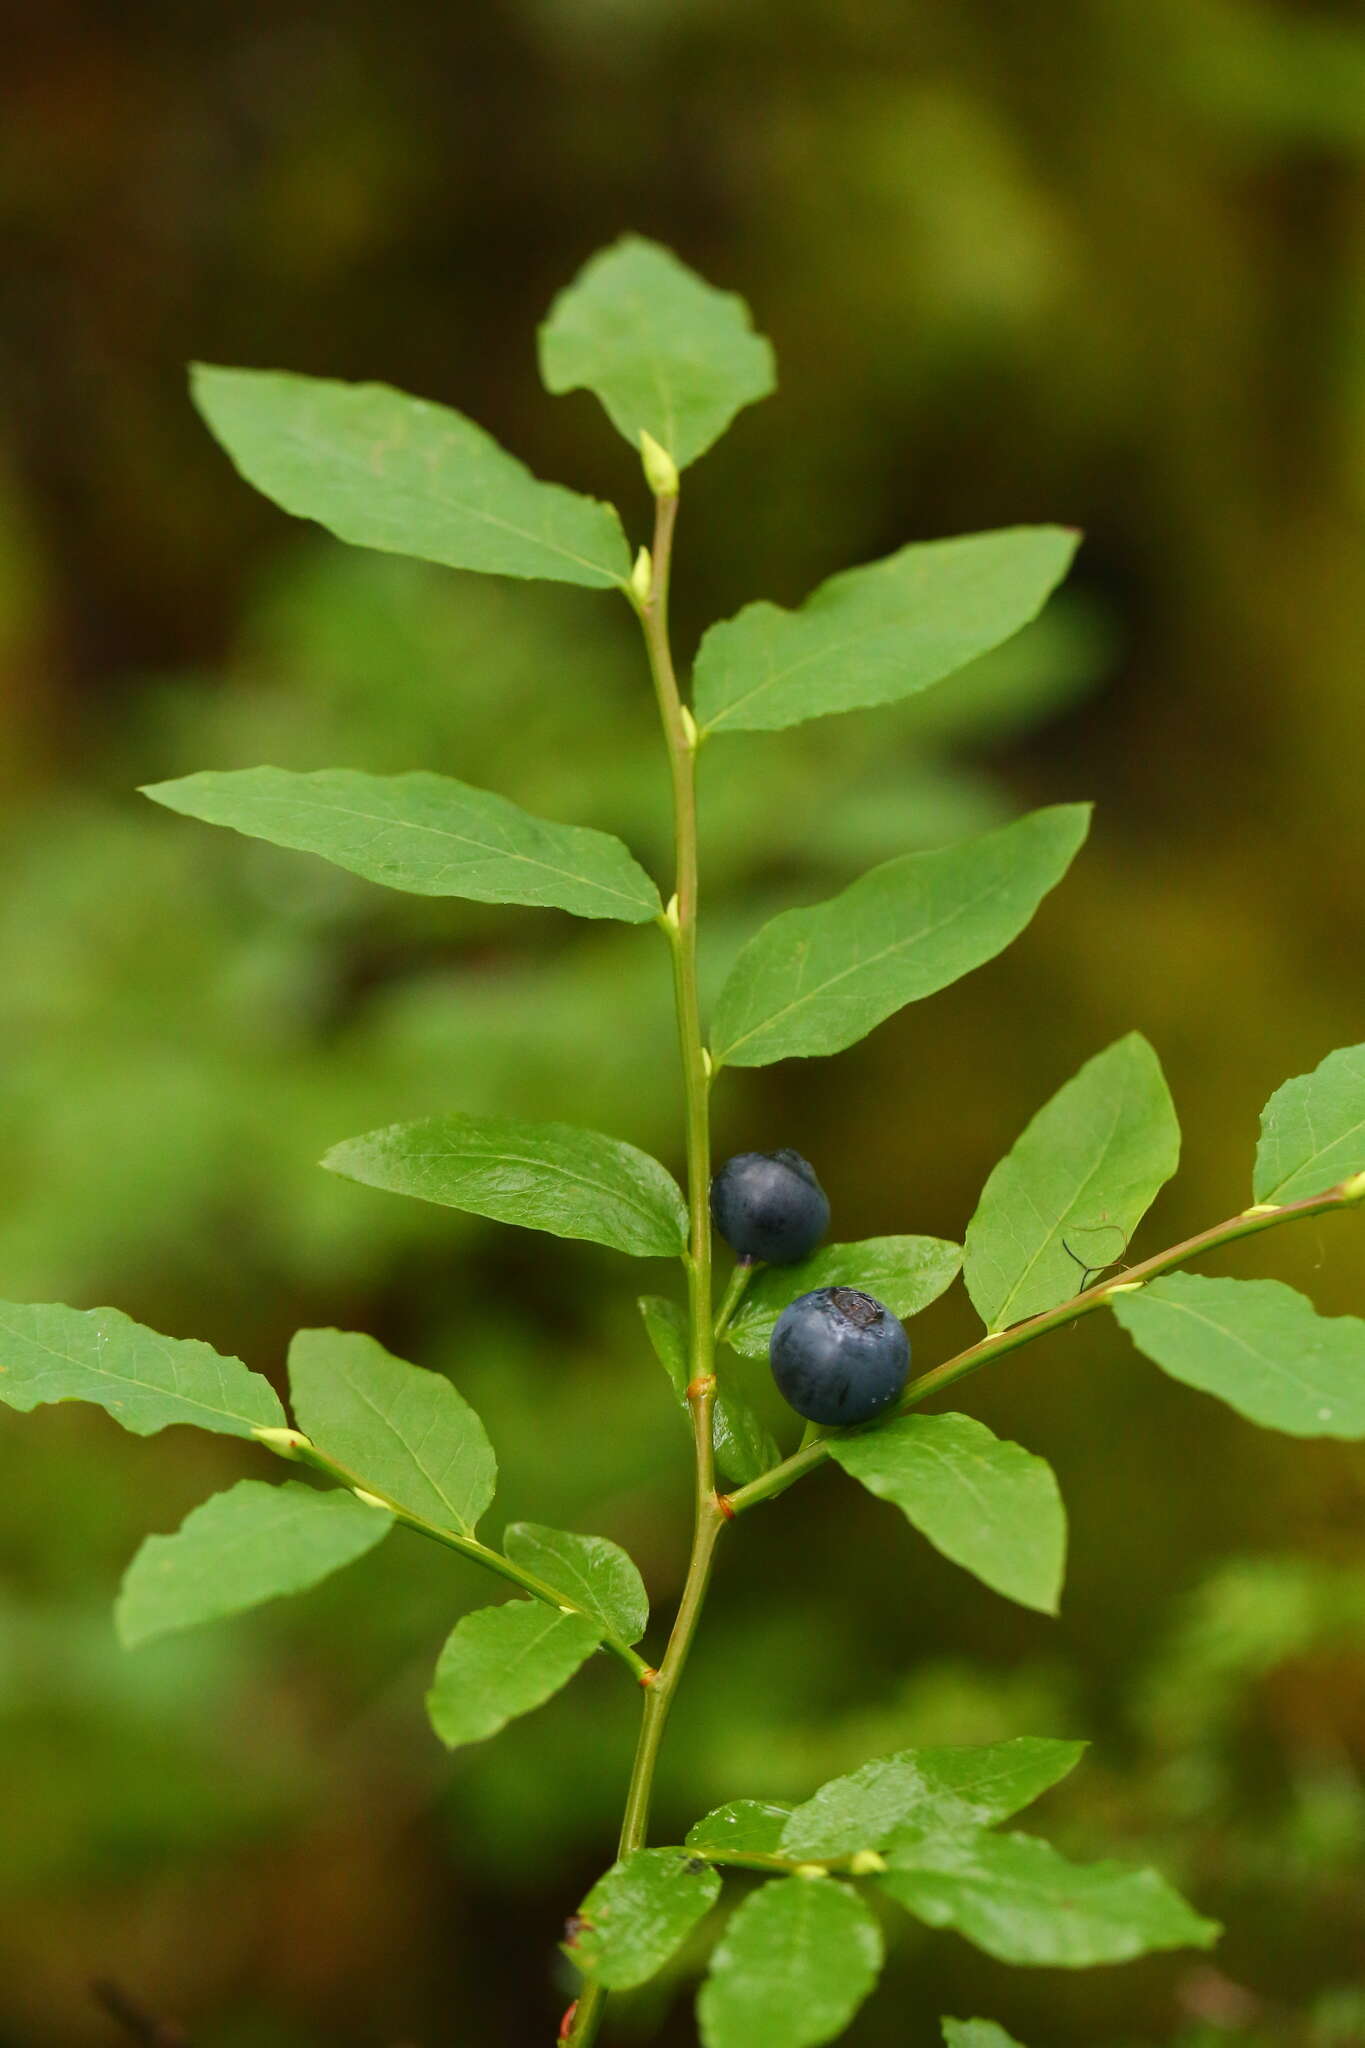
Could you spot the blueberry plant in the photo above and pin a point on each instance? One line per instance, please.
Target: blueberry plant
(672, 361)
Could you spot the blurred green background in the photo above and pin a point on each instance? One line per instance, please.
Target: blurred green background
(1100, 261)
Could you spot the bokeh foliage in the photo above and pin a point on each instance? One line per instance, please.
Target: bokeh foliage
(1103, 264)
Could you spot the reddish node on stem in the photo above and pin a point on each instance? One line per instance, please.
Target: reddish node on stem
(647, 1678)
(723, 1503)
(703, 1385)
(566, 2024)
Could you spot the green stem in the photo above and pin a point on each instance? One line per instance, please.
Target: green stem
(998, 1342)
(292, 1444)
(680, 923)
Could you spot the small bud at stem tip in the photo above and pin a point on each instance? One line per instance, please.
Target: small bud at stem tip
(287, 1443)
(866, 1863)
(661, 471)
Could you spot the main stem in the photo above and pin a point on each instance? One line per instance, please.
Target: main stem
(680, 922)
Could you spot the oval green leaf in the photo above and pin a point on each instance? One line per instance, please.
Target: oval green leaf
(590, 1569)
(253, 1543)
(426, 834)
(976, 2034)
(934, 1791)
(876, 634)
(1259, 1346)
(500, 1662)
(405, 1432)
(1019, 1900)
(1074, 1187)
(744, 1827)
(638, 1914)
(386, 471)
(1313, 1130)
(796, 1961)
(814, 981)
(553, 1177)
(988, 1505)
(906, 1273)
(145, 1381)
(667, 354)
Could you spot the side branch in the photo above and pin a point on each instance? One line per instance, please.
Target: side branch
(292, 1444)
(998, 1342)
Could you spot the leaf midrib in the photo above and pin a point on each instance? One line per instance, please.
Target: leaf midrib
(1001, 1318)
(346, 460)
(1322, 1152)
(918, 938)
(1273, 1367)
(309, 803)
(124, 1379)
(539, 1161)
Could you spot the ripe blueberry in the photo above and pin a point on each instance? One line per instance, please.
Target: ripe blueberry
(838, 1356)
(770, 1206)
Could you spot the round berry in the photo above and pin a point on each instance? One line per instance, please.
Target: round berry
(838, 1356)
(769, 1206)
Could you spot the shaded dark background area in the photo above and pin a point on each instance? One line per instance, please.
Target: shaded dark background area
(1101, 261)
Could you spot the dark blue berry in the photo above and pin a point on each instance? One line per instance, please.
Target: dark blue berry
(769, 1206)
(838, 1356)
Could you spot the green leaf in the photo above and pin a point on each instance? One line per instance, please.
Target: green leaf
(746, 1827)
(791, 1969)
(666, 1327)
(144, 1380)
(636, 1915)
(503, 1661)
(976, 2034)
(554, 1177)
(906, 1273)
(253, 1543)
(589, 1569)
(813, 981)
(664, 352)
(931, 1790)
(989, 1505)
(744, 1449)
(1313, 1130)
(386, 471)
(424, 833)
(403, 1431)
(1259, 1346)
(880, 633)
(1017, 1899)
(1074, 1187)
